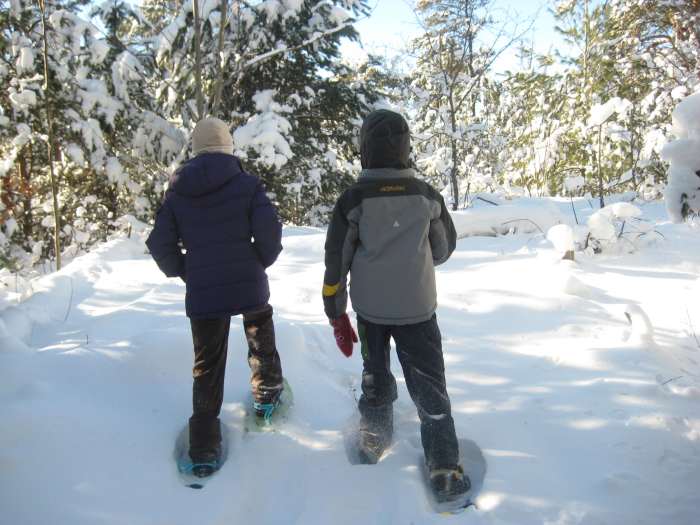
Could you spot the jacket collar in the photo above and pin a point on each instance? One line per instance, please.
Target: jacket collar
(387, 173)
(204, 174)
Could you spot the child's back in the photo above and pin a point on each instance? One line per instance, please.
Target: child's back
(388, 232)
(392, 228)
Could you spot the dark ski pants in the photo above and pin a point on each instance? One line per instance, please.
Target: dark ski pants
(419, 348)
(210, 338)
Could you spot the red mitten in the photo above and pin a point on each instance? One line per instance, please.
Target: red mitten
(344, 334)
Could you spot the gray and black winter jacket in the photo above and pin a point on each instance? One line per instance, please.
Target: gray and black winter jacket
(388, 231)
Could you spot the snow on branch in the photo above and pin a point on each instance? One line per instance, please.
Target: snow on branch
(285, 49)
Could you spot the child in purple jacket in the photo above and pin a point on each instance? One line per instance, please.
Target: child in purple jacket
(230, 233)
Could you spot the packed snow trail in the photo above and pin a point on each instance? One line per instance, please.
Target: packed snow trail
(578, 381)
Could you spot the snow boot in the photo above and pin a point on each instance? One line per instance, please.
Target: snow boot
(265, 410)
(375, 433)
(205, 446)
(449, 484)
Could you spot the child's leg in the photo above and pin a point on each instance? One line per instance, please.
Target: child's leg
(264, 361)
(210, 338)
(419, 348)
(378, 383)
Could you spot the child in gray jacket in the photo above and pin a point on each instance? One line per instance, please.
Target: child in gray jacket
(389, 230)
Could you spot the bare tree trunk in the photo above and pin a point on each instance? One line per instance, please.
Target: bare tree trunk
(455, 156)
(633, 148)
(587, 30)
(198, 60)
(26, 191)
(49, 125)
(219, 87)
(453, 176)
(600, 166)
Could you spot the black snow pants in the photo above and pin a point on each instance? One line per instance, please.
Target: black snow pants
(419, 348)
(210, 338)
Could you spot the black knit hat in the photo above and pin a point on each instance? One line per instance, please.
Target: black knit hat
(385, 141)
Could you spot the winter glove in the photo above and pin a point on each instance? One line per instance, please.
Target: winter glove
(344, 334)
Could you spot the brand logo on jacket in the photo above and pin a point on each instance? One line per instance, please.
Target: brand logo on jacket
(394, 188)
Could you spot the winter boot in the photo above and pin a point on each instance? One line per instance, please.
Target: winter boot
(265, 410)
(205, 446)
(449, 484)
(266, 369)
(375, 433)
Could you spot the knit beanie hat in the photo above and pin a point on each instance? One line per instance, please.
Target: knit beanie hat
(211, 135)
(385, 141)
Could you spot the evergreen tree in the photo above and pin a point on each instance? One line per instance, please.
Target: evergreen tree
(273, 70)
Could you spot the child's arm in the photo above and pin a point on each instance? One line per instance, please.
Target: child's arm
(162, 243)
(341, 242)
(442, 235)
(266, 227)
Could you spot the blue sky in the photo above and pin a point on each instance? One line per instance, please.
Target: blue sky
(392, 24)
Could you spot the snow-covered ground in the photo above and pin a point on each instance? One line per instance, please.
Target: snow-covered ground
(580, 382)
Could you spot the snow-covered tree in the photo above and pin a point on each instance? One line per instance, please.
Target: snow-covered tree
(683, 153)
(602, 114)
(449, 91)
(274, 70)
(105, 140)
(532, 115)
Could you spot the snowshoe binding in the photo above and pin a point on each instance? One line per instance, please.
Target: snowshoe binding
(203, 465)
(450, 488)
(200, 469)
(375, 432)
(195, 470)
(264, 411)
(267, 416)
(371, 446)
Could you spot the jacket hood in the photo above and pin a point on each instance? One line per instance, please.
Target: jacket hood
(205, 174)
(385, 141)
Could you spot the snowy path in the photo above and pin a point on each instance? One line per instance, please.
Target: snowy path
(583, 418)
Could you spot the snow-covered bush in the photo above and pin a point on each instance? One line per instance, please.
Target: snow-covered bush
(618, 228)
(562, 237)
(683, 190)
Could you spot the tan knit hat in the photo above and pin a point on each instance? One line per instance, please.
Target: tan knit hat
(211, 135)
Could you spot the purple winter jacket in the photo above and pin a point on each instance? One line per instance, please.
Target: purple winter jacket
(229, 230)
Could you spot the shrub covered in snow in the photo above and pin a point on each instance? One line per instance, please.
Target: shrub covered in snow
(683, 190)
(618, 227)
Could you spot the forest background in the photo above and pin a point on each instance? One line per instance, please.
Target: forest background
(99, 100)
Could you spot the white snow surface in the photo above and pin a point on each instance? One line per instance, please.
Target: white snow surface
(579, 381)
(498, 217)
(562, 237)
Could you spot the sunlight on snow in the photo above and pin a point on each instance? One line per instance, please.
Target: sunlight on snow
(588, 424)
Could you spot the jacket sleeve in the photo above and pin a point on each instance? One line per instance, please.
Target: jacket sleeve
(341, 243)
(266, 227)
(442, 235)
(163, 243)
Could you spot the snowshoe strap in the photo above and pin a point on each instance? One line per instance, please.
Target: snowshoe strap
(457, 472)
(265, 410)
(188, 468)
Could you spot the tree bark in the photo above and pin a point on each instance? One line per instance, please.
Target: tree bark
(219, 86)
(600, 166)
(455, 156)
(198, 60)
(49, 125)
(26, 191)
